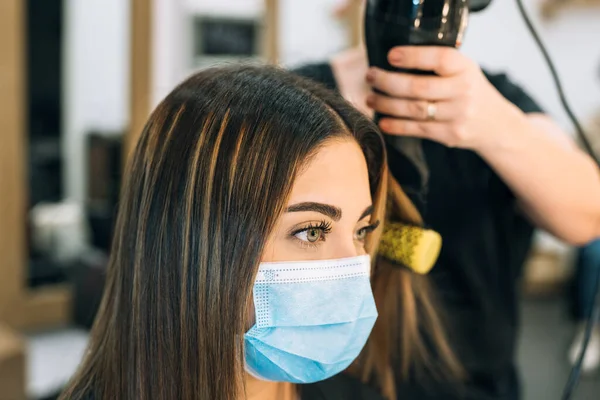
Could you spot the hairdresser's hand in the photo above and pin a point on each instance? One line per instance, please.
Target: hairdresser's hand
(458, 107)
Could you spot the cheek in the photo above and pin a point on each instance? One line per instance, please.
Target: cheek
(360, 249)
(280, 247)
(270, 250)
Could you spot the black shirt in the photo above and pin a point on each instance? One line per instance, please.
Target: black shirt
(485, 243)
(339, 387)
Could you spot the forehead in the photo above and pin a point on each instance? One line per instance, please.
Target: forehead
(337, 174)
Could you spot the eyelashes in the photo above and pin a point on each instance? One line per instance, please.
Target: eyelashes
(323, 226)
(314, 234)
(310, 236)
(364, 232)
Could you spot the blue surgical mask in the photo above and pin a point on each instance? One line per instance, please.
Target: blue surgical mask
(312, 319)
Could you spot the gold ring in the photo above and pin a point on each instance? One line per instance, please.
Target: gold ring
(431, 111)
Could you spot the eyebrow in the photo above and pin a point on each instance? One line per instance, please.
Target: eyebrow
(331, 211)
(368, 211)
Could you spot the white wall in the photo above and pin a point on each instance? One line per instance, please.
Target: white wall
(309, 31)
(96, 80)
(168, 52)
(499, 40)
(172, 40)
(241, 8)
(298, 41)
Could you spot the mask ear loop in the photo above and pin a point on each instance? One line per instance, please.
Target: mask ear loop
(410, 246)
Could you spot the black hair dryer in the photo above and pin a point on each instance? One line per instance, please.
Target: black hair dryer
(391, 23)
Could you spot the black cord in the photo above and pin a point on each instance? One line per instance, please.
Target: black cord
(557, 83)
(575, 374)
(576, 370)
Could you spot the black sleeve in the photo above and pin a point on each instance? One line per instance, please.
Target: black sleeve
(513, 93)
(339, 387)
(516, 95)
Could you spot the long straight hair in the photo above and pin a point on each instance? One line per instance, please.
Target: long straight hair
(408, 341)
(207, 181)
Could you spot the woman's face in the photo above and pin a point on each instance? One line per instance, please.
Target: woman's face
(329, 210)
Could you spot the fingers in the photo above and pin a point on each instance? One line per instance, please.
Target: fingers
(454, 95)
(421, 129)
(451, 135)
(413, 109)
(412, 86)
(444, 61)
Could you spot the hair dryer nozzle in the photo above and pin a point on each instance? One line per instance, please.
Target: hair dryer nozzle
(478, 5)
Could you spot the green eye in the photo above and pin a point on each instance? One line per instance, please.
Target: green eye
(313, 233)
(362, 234)
(310, 235)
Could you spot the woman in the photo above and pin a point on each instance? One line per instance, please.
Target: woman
(244, 181)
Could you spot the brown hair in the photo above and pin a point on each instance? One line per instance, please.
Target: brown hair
(408, 340)
(209, 177)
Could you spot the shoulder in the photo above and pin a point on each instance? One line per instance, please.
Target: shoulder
(339, 387)
(513, 92)
(318, 72)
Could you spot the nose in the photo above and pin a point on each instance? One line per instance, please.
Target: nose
(346, 249)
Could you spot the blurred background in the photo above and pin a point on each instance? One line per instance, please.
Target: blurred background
(77, 81)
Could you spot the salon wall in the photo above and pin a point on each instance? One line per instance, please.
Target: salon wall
(97, 59)
(499, 39)
(96, 75)
(172, 36)
(310, 30)
(298, 42)
(96, 79)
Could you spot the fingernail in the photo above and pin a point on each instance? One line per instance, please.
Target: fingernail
(396, 55)
(371, 75)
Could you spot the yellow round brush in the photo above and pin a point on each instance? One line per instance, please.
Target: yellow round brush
(410, 246)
